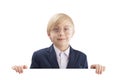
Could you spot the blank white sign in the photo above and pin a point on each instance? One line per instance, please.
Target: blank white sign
(55, 74)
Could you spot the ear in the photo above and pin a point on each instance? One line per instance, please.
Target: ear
(48, 34)
(73, 33)
(49, 37)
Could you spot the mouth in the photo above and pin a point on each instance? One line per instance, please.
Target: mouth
(60, 39)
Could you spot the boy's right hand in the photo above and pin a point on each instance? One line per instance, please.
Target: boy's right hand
(20, 68)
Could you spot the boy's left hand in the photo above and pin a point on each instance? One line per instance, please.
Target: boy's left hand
(99, 68)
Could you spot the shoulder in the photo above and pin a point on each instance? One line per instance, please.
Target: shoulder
(78, 52)
(43, 51)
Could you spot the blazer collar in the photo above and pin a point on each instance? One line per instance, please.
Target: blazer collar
(72, 58)
(52, 57)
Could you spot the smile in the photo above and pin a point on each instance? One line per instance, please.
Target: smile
(60, 39)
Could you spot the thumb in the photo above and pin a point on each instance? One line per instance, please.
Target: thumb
(25, 67)
(93, 66)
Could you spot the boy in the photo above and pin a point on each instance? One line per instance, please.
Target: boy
(60, 54)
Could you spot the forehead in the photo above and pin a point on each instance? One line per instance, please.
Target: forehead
(64, 24)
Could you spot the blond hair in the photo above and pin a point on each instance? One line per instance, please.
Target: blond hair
(57, 19)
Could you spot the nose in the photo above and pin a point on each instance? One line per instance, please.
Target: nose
(61, 32)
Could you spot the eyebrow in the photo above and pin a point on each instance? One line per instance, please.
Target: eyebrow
(66, 26)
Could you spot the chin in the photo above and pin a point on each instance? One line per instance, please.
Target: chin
(62, 44)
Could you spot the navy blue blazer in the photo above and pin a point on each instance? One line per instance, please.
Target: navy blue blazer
(46, 58)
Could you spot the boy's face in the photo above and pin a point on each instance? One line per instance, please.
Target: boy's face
(61, 34)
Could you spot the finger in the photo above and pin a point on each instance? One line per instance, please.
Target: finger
(24, 67)
(103, 68)
(98, 69)
(13, 67)
(18, 69)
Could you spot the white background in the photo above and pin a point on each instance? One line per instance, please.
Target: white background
(23, 26)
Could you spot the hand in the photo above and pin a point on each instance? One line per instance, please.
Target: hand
(99, 68)
(19, 69)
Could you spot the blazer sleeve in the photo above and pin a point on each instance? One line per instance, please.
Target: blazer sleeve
(83, 61)
(34, 62)
(85, 65)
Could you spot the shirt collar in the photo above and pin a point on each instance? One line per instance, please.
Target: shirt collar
(58, 51)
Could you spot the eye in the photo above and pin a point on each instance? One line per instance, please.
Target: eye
(66, 29)
(56, 29)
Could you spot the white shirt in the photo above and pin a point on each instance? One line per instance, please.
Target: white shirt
(62, 57)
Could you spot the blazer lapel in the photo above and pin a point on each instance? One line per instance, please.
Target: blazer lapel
(72, 58)
(52, 57)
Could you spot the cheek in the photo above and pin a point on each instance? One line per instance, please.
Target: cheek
(52, 37)
(70, 35)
